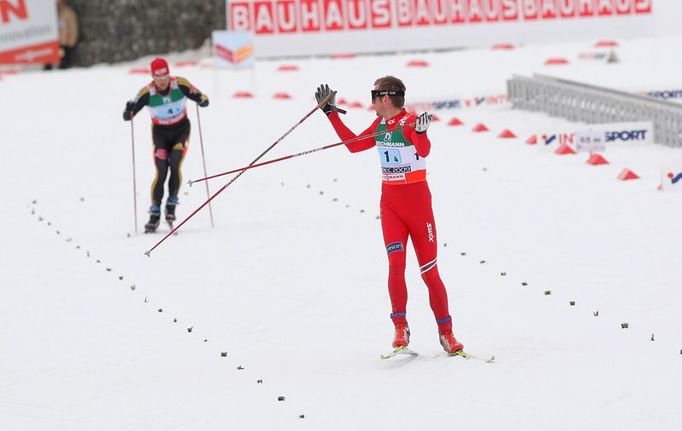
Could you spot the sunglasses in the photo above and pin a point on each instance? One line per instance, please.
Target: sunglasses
(380, 93)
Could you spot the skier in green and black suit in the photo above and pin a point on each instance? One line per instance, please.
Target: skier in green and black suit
(165, 97)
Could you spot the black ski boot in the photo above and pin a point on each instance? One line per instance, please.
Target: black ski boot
(171, 203)
(154, 217)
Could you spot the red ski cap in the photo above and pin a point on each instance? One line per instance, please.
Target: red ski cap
(159, 68)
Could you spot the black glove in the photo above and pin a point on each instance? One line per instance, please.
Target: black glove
(204, 101)
(129, 112)
(323, 91)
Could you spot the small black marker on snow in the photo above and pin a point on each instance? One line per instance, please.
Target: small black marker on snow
(34, 202)
(98, 261)
(624, 325)
(321, 192)
(160, 310)
(240, 367)
(301, 416)
(58, 233)
(503, 274)
(82, 199)
(335, 199)
(652, 337)
(108, 269)
(132, 287)
(482, 262)
(33, 211)
(307, 186)
(120, 277)
(146, 300)
(523, 283)
(362, 211)
(223, 354)
(596, 313)
(259, 381)
(128, 234)
(572, 303)
(335, 180)
(281, 398)
(548, 292)
(40, 218)
(190, 329)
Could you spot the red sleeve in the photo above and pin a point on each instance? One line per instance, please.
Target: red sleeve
(419, 140)
(345, 133)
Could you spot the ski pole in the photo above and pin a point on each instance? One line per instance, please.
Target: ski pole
(132, 140)
(203, 160)
(291, 156)
(298, 123)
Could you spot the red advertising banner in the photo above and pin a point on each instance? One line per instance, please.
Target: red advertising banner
(303, 16)
(28, 32)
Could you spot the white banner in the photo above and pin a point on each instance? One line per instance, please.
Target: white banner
(28, 31)
(308, 27)
(636, 132)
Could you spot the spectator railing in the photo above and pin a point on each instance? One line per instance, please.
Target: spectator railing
(576, 101)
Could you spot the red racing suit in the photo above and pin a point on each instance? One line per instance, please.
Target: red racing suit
(405, 207)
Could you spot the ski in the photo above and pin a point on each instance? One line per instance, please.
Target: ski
(400, 351)
(465, 355)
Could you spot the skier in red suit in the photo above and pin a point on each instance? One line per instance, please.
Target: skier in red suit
(405, 200)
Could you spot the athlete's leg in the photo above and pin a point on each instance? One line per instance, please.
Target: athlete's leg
(422, 229)
(395, 240)
(176, 157)
(161, 154)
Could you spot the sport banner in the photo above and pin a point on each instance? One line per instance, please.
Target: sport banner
(312, 27)
(28, 31)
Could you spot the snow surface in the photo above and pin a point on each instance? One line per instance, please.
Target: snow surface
(291, 282)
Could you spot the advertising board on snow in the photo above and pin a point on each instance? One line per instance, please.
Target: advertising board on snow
(598, 136)
(671, 178)
(28, 31)
(232, 50)
(305, 27)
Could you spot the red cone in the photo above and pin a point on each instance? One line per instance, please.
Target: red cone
(242, 95)
(287, 68)
(532, 140)
(555, 61)
(342, 56)
(480, 127)
(626, 174)
(606, 44)
(281, 96)
(597, 159)
(564, 150)
(503, 46)
(455, 122)
(186, 63)
(417, 63)
(506, 134)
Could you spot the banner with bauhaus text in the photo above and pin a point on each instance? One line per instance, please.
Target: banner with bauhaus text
(300, 27)
(28, 31)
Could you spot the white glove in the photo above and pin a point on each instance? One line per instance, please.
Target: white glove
(423, 122)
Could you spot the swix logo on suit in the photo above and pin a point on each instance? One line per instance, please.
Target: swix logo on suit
(167, 109)
(400, 163)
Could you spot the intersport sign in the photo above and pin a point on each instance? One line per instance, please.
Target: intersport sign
(350, 24)
(28, 31)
